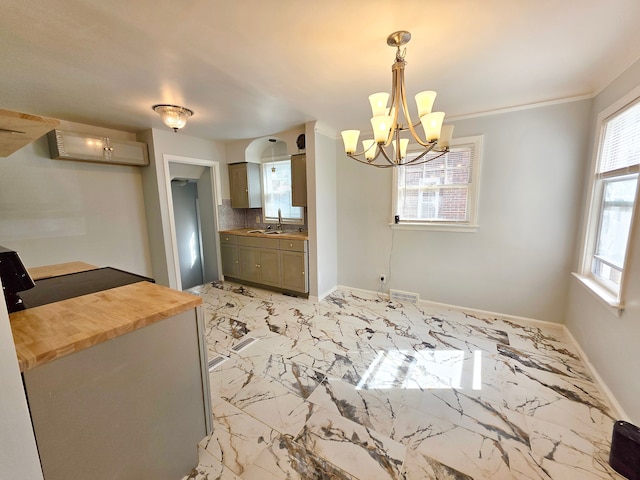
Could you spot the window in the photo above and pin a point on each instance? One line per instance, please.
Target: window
(443, 193)
(613, 200)
(276, 193)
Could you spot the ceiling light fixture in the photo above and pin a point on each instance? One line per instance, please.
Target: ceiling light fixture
(173, 116)
(387, 127)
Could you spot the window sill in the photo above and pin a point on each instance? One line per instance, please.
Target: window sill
(602, 294)
(435, 227)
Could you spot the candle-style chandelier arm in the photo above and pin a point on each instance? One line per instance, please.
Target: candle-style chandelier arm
(420, 159)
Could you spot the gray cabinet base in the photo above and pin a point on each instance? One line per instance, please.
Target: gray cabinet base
(131, 407)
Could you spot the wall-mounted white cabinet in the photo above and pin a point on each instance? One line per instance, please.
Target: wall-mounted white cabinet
(65, 145)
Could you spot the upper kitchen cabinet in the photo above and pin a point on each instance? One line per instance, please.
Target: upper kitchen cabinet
(244, 185)
(19, 129)
(299, 180)
(85, 147)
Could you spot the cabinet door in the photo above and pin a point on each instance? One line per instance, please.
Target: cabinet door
(270, 267)
(66, 145)
(248, 260)
(299, 180)
(238, 185)
(229, 254)
(128, 153)
(254, 185)
(294, 271)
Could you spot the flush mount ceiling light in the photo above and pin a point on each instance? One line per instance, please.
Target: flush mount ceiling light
(387, 127)
(173, 116)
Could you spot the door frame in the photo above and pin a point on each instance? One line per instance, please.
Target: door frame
(171, 250)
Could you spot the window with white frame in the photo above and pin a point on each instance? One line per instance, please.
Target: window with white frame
(613, 199)
(441, 193)
(276, 193)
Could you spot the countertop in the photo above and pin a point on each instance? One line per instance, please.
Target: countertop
(43, 334)
(288, 235)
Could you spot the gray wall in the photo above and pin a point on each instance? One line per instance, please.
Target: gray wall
(611, 343)
(322, 205)
(163, 142)
(519, 261)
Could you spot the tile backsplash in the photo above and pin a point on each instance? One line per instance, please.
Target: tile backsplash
(232, 218)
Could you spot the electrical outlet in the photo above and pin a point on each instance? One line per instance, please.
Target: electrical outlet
(383, 278)
(257, 218)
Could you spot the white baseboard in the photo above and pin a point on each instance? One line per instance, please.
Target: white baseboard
(327, 293)
(604, 389)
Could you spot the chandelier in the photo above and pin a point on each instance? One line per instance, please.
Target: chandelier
(387, 127)
(173, 116)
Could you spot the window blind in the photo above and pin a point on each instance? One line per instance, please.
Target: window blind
(621, 142)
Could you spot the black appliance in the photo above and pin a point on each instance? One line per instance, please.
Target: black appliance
(15, 278)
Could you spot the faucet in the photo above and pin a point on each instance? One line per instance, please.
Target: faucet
(279, 224)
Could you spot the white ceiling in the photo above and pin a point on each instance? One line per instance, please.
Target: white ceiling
(254, 67)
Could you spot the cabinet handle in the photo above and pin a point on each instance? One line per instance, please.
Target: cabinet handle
(257, 266)
(291, 244)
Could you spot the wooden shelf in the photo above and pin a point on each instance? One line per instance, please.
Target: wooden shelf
(19, 129)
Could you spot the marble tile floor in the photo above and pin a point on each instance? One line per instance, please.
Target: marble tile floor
(358, 387)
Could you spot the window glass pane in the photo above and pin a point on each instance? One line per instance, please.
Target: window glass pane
(615, 220)
(437, 190)
(277, 191)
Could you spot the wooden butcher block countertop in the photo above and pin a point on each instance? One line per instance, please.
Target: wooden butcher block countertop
(293, 235)
(43, 334)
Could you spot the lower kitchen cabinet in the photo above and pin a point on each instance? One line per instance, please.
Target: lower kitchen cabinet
(272, 262)
(259, 265)
(294, 271)
(230, 262)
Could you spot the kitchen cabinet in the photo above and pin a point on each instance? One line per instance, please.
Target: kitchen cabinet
(229, 255)
(299, 180)
(118, 385)
(131, 407)
(259, 260)
(245, 185)
(272, 262)
(83, 147)
(293, 263)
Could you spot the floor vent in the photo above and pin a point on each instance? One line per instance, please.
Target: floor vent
(216, 361)
(243, 344)
(405, 297)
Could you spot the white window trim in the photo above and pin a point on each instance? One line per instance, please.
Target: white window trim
(474, 195)
(614, 301)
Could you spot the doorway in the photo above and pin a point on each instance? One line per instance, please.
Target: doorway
(186, 213)
(203, 176)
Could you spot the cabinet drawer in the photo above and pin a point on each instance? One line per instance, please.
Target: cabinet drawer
(258, 242)
(293, 245)
(229, 239)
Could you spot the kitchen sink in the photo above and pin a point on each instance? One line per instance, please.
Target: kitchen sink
(273, 232)
(256, 231)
